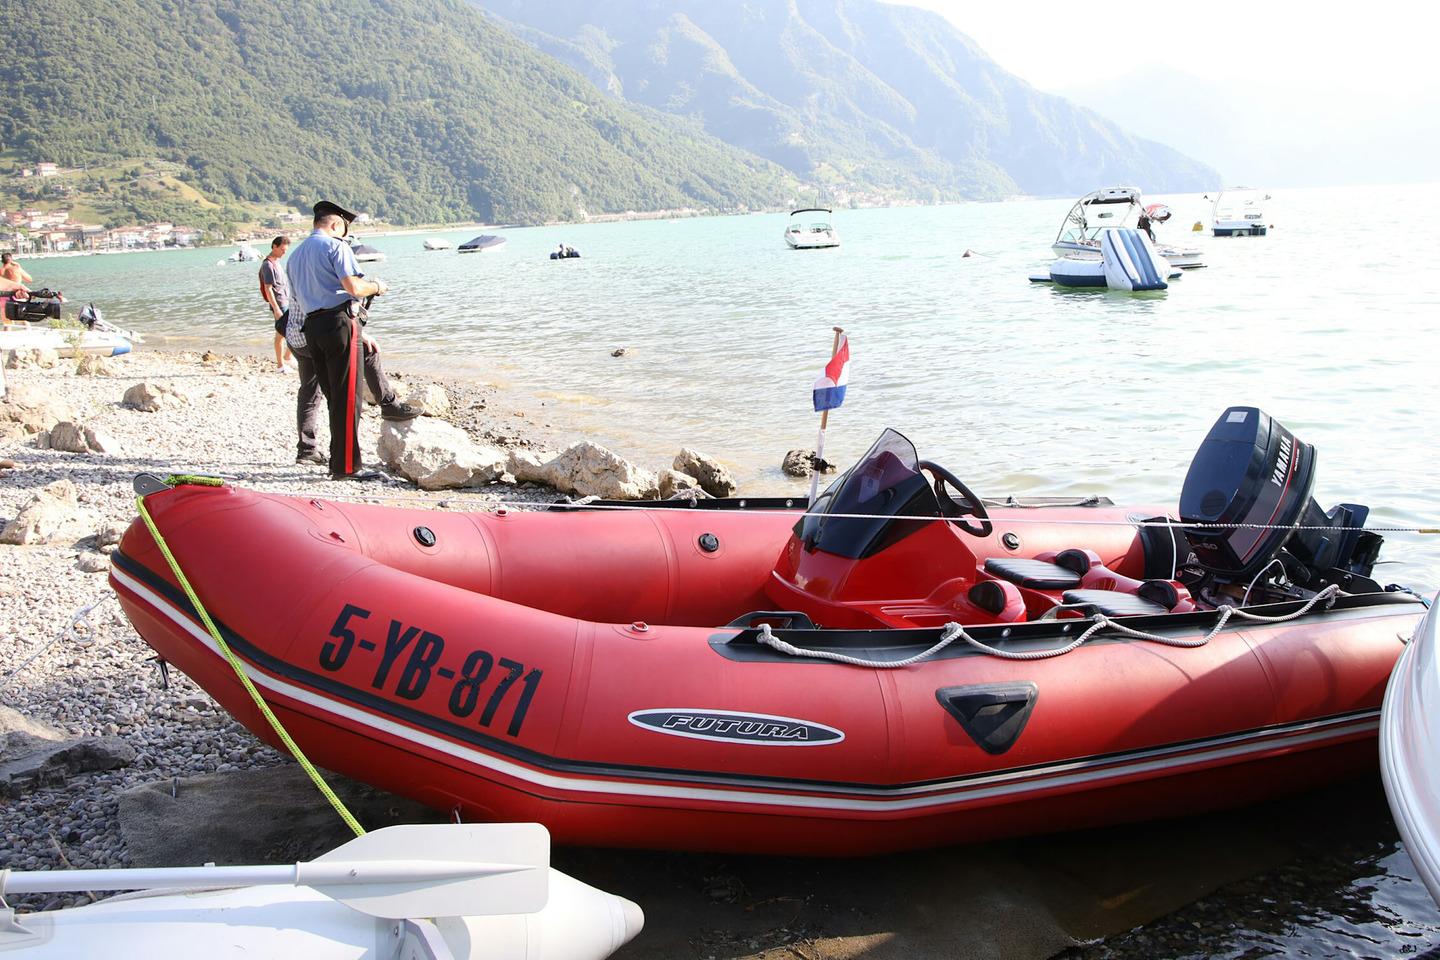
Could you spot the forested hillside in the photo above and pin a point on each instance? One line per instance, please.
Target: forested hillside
(412, 110)
(854, 93)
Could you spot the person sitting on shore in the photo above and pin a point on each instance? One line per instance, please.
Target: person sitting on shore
(11, 270)
(275, 291)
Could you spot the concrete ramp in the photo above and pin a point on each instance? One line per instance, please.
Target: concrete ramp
(1131, 262)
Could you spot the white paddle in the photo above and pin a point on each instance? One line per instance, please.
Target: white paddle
(413, 870)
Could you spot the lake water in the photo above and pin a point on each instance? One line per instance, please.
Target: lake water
(1330, 324)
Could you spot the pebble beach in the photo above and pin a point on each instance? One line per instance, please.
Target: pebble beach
(233, 416)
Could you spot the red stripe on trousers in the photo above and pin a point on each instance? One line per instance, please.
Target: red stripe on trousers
(350, 396)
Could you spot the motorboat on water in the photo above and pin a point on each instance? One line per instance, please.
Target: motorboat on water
(1410, 748)
(903, 665)
(564, 252)
(365, 253)
(1128, 262)
(1239, 212)
(482, 243)
(1110, 208)
(435, 243)
(244, 254)
(419, 892)
(810, 229)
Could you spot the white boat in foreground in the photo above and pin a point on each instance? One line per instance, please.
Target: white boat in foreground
(1410, 748)
(435, 243)
(66, 341)
(420, 892)
(816, 234)
(1107, 209)
(1239, 212)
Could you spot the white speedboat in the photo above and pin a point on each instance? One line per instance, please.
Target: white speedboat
(245, 254)
(810, 229)
(482, 243)
(418, 892)
(435, 243)
(1239, 212)
(364, 253)
(1410, 747)
(66, 341)
(1106, 209)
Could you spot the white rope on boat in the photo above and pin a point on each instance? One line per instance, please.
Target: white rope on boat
(953, 631)
(489, 506)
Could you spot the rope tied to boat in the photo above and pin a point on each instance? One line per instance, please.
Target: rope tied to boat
(235, 662)
(953, 631)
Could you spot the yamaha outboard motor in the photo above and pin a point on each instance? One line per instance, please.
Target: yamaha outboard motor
(1250, 486)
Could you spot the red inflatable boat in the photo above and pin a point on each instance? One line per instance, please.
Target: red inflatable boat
(724, 676)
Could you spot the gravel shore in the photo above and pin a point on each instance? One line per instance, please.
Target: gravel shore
(101, 678)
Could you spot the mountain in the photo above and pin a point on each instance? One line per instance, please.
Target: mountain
(856, 94)
(412, 110)
(1277, 135)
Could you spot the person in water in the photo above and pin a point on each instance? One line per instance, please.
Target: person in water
(275, 290)
(326, 286)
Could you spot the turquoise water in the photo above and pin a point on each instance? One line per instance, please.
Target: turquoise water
(1330, 323)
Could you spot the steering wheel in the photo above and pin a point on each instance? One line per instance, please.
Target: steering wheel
(952, 509)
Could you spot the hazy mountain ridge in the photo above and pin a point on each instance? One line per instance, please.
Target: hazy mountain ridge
(851, 92)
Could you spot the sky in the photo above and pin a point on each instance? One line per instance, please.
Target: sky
(1376, 47)
(1281, 93)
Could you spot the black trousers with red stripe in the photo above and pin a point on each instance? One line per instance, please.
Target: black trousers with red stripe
(333, 339)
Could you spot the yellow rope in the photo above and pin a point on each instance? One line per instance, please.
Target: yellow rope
(235, 663)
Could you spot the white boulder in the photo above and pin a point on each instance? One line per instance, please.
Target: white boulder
(590, 470)
(52, 514)
(437, 455)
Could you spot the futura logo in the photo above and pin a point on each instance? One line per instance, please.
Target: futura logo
(725, 726)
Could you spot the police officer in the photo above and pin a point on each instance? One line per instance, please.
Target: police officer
(327, 285)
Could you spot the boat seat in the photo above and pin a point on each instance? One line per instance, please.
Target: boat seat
(1152, 597)
(1035, 574)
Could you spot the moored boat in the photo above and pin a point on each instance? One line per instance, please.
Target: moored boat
(482, 243)
(810, 229)
(1111, 208)
(903, 665)
(437, 243)
(1410, 748)
(1239, 212)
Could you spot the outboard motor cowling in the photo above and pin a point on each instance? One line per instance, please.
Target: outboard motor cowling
(1255, 474)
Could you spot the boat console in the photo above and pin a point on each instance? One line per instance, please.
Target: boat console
(898, 542)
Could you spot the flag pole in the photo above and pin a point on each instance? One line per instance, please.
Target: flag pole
(820, 440)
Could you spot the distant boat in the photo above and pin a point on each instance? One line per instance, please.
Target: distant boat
(1238, 212)
(435, 243)
(818, 234)
(365, 253)
(486, 241)
(246, 254)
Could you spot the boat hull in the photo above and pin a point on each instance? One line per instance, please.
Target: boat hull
(1410, 746)
(460, 674)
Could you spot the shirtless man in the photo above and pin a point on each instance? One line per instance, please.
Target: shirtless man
(11, 270)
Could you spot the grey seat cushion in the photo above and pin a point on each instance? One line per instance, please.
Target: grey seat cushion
(1035, 574)
(1113, 603)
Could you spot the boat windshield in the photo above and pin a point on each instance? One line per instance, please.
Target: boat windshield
(858, 515)
(1098, 212)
